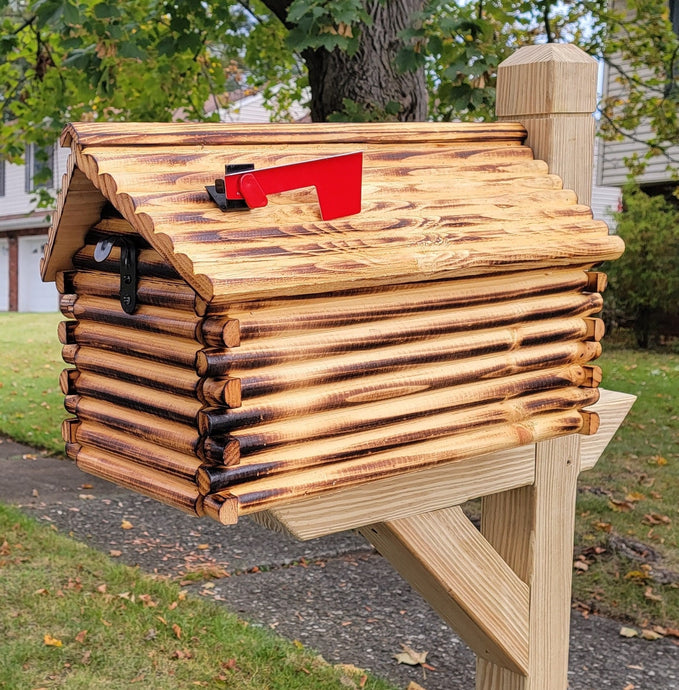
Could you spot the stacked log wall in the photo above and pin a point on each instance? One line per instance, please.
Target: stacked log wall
(228, 412)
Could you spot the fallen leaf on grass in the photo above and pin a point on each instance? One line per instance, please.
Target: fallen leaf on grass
(177, 631)
(620, 506)
(634, 496)
(648, 594)
(182, 654)
(656, 519)
(80, 637)
(581, 565)
(629, 632)
(52, 641)
(114, 553)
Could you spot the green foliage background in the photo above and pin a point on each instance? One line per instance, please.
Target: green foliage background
(644, 282)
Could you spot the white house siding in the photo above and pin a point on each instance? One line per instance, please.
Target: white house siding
(16, 200)
(4, 274)
(612, 154)
(605, 202)
(19, 222)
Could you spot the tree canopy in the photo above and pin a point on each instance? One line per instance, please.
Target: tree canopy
(154, 60)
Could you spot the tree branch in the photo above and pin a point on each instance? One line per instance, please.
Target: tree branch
(664, 150)
(280, 9)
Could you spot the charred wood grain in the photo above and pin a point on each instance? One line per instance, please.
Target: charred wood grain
(156, 347)
(165, 405)
(221, 392)
(150, 264)
(370, 415)
(158, 375)
(283, 316)
(158, 485)
(259, 494)
(173, 294)
(348, 336)
(416, 379)
(163, 432)
(144, 453)
(441, 349)
(361, 444)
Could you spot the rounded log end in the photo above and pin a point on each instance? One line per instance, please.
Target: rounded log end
(596, 281)
(593, 376)
(222, 508)
(69, 429)
(594, 329)
(590, 423)
(71, 403)
(67, 379)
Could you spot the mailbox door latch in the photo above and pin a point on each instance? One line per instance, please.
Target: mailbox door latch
(128, 268)
(337, 180)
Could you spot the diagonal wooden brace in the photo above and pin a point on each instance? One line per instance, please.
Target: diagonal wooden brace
(463, 578)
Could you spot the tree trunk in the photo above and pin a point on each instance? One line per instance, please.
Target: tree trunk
(369, 78)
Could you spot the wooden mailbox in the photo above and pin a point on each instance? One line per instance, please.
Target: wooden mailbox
(368, 371)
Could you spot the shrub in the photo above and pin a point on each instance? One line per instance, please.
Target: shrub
(644, 282)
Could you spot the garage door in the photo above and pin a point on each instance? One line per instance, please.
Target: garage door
(34, 295)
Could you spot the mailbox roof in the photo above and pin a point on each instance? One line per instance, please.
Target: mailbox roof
(440, 200)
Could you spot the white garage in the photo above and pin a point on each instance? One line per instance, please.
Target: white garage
(34, 295)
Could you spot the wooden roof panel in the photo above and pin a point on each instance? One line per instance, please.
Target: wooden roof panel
(439, 200)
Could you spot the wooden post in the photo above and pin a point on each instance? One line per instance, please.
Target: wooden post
(551, 90)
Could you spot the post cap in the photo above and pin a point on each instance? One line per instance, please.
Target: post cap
(545, 79)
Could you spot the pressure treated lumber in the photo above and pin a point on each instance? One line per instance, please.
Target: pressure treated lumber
(443, 556)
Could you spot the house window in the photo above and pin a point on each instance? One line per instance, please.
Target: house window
(39, 168)
(2, 177)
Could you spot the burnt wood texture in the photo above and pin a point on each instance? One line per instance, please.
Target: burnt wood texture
(275, 356)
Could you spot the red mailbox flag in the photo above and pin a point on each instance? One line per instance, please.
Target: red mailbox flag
(337, 180)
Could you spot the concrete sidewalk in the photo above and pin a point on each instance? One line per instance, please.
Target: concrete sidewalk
(336, 594)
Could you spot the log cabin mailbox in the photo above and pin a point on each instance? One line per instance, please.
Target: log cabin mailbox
(415, 331)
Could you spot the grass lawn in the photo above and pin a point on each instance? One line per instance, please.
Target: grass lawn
(72, 619)
(627, 531)
(31, 404)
